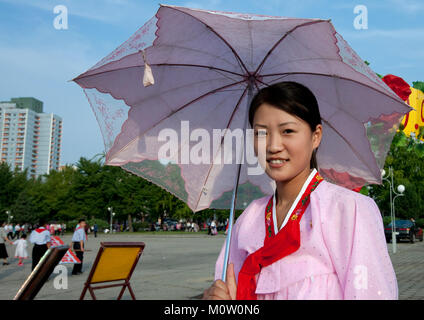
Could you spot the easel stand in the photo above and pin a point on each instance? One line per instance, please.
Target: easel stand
(115, 262)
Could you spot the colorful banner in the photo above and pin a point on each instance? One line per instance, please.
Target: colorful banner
(69, 257)
(414, 119)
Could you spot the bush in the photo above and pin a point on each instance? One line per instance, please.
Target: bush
(101, 224)
(420, 222)
(140, 226)
(70, 225)
(387, 220)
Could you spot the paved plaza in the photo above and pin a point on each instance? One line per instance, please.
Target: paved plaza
(179, 266)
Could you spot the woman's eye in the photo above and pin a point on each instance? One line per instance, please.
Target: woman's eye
(288, 131)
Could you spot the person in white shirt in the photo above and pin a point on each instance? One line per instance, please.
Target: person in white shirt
(17, 231)
(40, 237)
(9, 231)
(78, 240)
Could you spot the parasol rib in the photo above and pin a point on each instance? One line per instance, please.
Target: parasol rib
(282, 38)
(220, 146)
(219, 36)
(338, 77)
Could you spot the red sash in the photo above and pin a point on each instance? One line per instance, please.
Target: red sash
(39, 230)
(275, 247)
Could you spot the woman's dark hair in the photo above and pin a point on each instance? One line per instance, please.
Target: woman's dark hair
(293, 98)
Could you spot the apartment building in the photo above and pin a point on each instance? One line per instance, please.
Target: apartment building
(29, 138)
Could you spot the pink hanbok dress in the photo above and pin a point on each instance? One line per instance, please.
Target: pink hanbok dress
(342, 255)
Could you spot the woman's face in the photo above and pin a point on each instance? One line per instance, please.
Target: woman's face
(283, 142)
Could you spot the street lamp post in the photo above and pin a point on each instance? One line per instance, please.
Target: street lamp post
(110, 209)
(9, 216)
(401, 189)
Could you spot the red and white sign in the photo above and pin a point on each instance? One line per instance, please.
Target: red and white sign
(69, 257)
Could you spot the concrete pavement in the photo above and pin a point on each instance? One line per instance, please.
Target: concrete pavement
(180, 266)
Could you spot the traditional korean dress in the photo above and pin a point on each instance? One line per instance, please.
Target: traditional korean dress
(339, 252)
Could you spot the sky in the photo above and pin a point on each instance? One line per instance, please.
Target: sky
(37, 60)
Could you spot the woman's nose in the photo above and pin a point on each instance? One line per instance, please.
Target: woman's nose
(275, 143)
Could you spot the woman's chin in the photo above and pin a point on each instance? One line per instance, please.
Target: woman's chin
(278, 174)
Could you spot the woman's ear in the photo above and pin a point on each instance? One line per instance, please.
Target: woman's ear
(317, 136)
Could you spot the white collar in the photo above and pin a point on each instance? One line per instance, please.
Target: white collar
(274, 211)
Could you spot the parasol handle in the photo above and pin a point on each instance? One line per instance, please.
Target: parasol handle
(236, 182)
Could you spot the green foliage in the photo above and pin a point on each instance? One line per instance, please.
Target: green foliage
(387, 220)
(420, 222)
(406, 157)
(101, 224)
(87, 190)
(140, 226)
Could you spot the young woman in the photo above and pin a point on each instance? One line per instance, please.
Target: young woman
(312, 239)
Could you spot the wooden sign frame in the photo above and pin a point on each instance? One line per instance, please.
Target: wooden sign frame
(41, 273)
(124, 282)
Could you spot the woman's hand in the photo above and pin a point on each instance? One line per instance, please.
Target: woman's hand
(221, 290)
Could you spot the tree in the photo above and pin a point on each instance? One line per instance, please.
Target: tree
(406, 157)
(24, 210)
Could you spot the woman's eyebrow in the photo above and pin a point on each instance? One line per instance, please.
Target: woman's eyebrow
(285, 123)
(280, 125)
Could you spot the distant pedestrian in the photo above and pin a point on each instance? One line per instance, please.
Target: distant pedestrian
(40, 237)
(213, 228)
(78, 240)
(17, 231)
(9, 231)
(21, 249)
(3, 239)
(195, 227)
(25, 228)
(95, 229)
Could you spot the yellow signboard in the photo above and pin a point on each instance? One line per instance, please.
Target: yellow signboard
(115, 264)
(115, 261)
